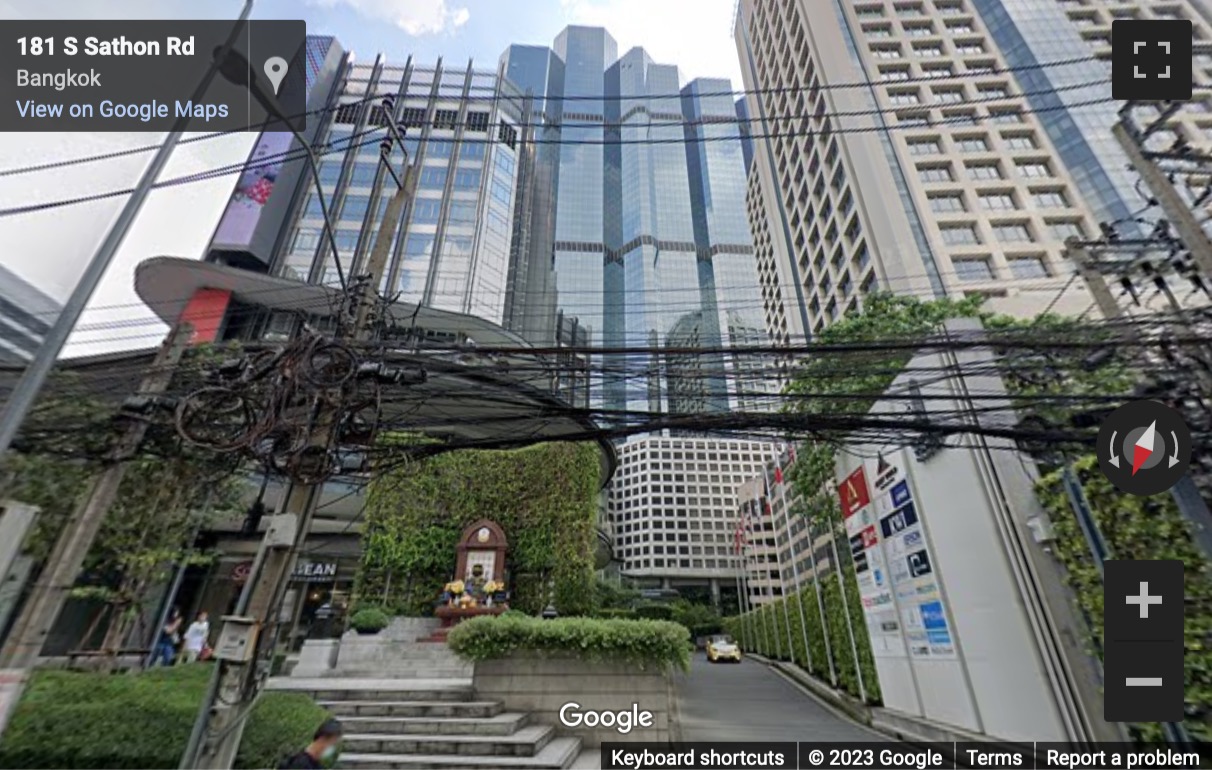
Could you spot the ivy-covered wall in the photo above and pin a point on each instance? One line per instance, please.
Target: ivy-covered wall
(1137, 528)
(544, 497)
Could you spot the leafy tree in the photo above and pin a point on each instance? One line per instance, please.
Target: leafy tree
(152, 524)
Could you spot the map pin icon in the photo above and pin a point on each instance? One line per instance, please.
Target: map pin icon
(275, 70)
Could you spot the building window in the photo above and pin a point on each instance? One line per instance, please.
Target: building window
(949, 95)
(433, 178)
(892, 74)
(913, 118)
(467, 178)
(477, 121)
(938, 71)
(968, 48)
(878, 30)
(959, 27)
(904, 97)
(924, 147)
(1020, 142)
(1015, 232)
(886, 51)
(928, 50)
(945, 203)
(1005, 116)
(997, 201)
(984, 171)
(347, 114)
(508, 135)
(973, 269)
(1033, 168)
(1028, 267)
(1049, 199)
(972, 144)
(935, 173)
(413, 117)
(445, 119)
(959, 235)
(993, 92)
(1063, 231)
(919, 29)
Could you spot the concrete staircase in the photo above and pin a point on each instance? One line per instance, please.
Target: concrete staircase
(420, 723)
(407, 661)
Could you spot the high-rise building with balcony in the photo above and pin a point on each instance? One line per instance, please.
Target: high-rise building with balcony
(901, 151)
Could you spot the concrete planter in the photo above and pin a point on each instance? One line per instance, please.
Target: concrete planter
(542, 685)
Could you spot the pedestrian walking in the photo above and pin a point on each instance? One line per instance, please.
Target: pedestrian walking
(170, 637)
(196, 637)
(322, 749)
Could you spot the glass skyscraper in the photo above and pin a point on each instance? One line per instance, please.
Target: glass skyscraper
(651, 245)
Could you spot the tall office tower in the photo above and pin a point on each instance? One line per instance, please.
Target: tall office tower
(463, 128)
(900, 152)
(651, 247)
(26, 315)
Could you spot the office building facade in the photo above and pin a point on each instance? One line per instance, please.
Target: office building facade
(938, 179)
(673, 508)
(26, 315)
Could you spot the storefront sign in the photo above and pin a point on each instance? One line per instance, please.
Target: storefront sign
(317, 572)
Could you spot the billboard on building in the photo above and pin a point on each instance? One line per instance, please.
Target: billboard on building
(254, 217)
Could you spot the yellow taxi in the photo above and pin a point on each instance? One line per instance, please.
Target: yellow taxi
(722, 647)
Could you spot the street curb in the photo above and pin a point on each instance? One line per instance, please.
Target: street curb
(848, 706)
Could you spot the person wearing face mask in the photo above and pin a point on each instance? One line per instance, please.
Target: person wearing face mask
(321, 750)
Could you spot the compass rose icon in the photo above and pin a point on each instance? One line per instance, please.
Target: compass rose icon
(1144, 447)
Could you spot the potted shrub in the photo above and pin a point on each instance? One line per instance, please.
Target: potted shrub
(370, 620)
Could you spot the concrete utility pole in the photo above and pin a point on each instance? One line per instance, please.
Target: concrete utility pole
(1179, 214)
(50, 592)
(222, 717)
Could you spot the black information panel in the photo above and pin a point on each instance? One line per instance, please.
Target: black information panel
(146, 75)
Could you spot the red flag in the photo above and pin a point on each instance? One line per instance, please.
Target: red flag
(738, 537)
(778, 475)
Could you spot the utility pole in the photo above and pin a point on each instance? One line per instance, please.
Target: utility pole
(1179, 214)
(50, 592)
(1186, 493)
(238, 676)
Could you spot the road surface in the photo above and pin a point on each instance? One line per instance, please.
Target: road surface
(750, 702)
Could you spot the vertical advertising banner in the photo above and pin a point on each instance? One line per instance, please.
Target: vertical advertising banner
(871, 571)
(242, 229)
(911, 569)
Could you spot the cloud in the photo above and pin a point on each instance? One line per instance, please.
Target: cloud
(416, 17)
(695, 36)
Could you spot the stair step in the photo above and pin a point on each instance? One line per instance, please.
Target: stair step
(377, 689)
(401, 708)
(501, 724)
(558, 754)
(526, 742)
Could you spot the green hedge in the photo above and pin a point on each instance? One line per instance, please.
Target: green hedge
(777, 630)
(642, 642)
(70, 719)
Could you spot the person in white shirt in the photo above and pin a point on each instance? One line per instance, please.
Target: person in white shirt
(196, 637)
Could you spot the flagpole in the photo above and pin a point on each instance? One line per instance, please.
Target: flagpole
(778, 560)
(841, 577)
(751, 550)
(820, 604)
(763, 561)
(737, 536)
(780, 478)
